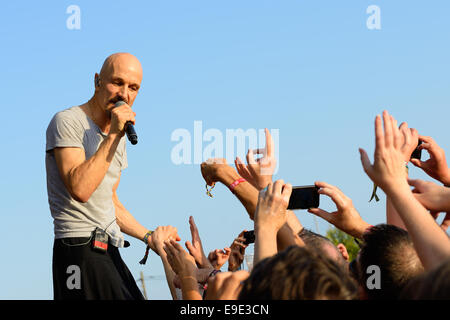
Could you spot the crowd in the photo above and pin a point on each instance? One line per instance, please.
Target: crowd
(408, 257)
(410, 253)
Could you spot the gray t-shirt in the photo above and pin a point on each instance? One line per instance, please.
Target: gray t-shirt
(73, 128)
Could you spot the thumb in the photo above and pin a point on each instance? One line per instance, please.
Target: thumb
(416, 162)
(367, 166)
(416, 183)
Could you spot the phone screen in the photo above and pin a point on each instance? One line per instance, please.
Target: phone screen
(417, 154)
(249, 237)
(305, 197)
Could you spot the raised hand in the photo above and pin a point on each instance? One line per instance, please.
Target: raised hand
(182, 263)
(436, 167)
(346, 217)
(218, 257)
(388, 170)
(211, 170)
(237, 252)
(270, 216)
(195, 247)
(258, 171)
(410, 140)
(272, 205)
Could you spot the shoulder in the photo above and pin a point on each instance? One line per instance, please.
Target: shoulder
(72, 114)
(73, 117)
(66, 129)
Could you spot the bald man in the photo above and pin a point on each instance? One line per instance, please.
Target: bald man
(85, 155)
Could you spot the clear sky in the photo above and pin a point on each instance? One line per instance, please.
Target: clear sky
(311, 69)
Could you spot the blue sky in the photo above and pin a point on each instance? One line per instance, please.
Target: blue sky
(311, 69)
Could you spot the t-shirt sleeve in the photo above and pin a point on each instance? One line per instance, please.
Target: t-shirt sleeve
(63, 131)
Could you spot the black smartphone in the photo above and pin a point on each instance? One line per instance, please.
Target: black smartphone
(249, 237)
(305, 197)
(417, 154)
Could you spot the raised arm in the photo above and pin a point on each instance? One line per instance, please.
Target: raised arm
(160, 236)
(388, 172)
(270, 216)
(183, 264)
(409, 143)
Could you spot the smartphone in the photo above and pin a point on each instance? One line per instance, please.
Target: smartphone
(417, 154)
(304, 197)
(249, 237)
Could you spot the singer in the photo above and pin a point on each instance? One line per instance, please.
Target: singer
(85, 155)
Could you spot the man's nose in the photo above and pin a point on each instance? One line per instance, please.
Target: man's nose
(123, 93)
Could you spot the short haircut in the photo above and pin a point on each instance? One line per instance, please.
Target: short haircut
(319, 243)
(298, 274)
(432, 285)
(391, 249)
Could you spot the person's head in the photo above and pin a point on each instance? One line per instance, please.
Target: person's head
(432, 285)
(298, 273)
(325, 247)
(119, 79)
(390, 250)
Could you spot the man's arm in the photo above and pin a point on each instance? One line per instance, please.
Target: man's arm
(388, 172)
(80, 176)
(127, 223)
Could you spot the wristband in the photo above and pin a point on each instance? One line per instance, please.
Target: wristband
(214, 272)
(147, 235)
(235, 184)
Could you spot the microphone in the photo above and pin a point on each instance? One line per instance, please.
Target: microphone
(129, 128)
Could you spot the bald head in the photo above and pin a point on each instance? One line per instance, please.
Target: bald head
(119, 79)
(121, 61)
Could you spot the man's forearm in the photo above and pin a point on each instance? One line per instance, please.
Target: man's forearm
(392, 216)
(127, 223)
(265, 244)
(84, 179)
(170, 275)
(189, 288)
(431, 242)
(245, 192)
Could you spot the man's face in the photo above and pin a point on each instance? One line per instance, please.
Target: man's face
(120, 80)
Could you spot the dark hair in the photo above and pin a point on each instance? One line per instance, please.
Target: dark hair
(432, 285)
(390, 249)
(298, 274)
(319, 243)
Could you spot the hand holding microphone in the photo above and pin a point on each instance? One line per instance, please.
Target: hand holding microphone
(128, 127)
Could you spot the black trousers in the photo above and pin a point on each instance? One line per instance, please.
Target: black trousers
(80, 272)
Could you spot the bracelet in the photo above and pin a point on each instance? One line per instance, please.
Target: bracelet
(235, 184)
(147, 235)
(213, 273)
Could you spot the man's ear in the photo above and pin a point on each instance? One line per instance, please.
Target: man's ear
(343, 250)
(97, 81)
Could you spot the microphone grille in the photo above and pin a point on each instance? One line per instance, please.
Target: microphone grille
(119, 103)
